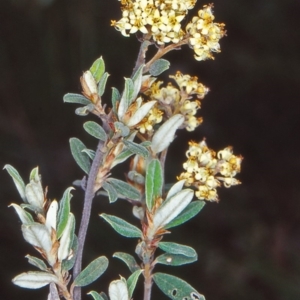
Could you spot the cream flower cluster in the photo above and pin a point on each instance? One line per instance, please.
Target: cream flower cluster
(205, 170)
(173, 100)
(154, 117)
(159, 18)
(205, 34)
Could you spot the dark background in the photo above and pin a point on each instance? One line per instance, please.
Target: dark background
(249, 243)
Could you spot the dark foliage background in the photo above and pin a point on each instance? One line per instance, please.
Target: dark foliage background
(248, 244)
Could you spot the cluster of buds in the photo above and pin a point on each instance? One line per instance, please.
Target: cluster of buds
(205, 34)
(160, 19)
(184, 101)
(205, 170)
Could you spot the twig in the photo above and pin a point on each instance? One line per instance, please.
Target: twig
(86, 213)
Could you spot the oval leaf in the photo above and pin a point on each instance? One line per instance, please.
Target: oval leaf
(37, 262)
(112, 193)
(170, 209)
(115, 98)
(98, 68)
(81, 158)
(159, 66)
(137, 148)
(129, 260)
(38, 236)
(34, 280)
(132, 280)
(175, 248)
(64, 211)
(174, 259)
(92, 272)
(18, 181)
(189, 212)
(66, 239)
(95, 130)
(102, 84)
(176, 288)
(76, 98)
(122, 227)
(125, 189)
(166, 133)
(126, 98)
(154, 182)
(141, 113)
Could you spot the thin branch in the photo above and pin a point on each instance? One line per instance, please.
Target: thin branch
(86, 213)
(162, 51)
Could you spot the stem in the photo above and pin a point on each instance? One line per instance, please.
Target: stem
(148, 281)
(162, 51)
(86, 213)
(141, 56)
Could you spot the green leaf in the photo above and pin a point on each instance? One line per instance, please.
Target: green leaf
(174, 259)
(92, 272)
(64, 211)
(159, 66)
(90, 153)
(122, 227)
(37, 235)
(98, 68)
(137, 148)
(137, 80)
(132, 280)
(25, 217)
(176, 288)
(68, 263)
(122, 157)
(81, 158)
(126, 98)
(165, 134)
(175, 248)
(115, 98)
(189, 212)
(18, 181)
(112, 193)
(85, 110)
(95, 295)
(102, 84)
(104, 296)
(76, 98)
(37, 262)
(123, 129)
(129, 260)
(154, 181)
(95, 130)
(66, 239)
(125, 189)
(34, 280)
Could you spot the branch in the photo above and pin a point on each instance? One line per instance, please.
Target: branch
(88, 199)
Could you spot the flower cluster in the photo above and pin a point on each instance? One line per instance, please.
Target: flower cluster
(205, 34)
(160, 19)
(180, 101)
(205, 170)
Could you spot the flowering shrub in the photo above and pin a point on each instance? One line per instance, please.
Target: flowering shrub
(140, 125)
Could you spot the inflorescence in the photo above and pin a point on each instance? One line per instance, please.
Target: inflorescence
(161, 21)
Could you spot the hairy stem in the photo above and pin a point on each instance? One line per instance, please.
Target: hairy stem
(86, 213)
